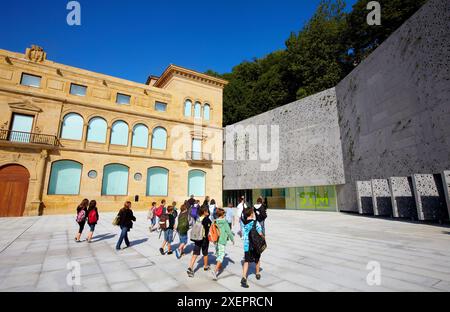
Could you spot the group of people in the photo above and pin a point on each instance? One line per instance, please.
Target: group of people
(206, 223)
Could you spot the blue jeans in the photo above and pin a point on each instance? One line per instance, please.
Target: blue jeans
(123, 236)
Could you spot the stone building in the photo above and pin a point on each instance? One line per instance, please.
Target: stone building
(68, 134)
(377, 143)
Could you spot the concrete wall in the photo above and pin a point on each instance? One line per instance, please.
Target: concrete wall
(394, 108)
(310, 148)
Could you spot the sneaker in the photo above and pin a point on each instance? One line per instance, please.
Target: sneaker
(161, 251)
(177, 254)
(170, 252)
(258, 276)
(207, 268)
(190, 272)
(244, 283)
(214, 274)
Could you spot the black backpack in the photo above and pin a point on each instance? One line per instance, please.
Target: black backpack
(257, 242)
(261, 213)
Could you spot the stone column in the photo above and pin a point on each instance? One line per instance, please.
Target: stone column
(40, 178)
(84, 137)
(130, 140)
(108, 138)
(149, 143)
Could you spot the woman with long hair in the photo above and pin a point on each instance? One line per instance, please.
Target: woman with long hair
(81, 217)
(92, 219)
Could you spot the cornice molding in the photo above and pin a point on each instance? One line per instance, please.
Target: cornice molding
(174, 70)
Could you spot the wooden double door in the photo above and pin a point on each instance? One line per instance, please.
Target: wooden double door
(14, 181)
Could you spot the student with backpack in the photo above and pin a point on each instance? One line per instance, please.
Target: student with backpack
(166, 224)
(194, 210)
(126, 219)
(81, 218)
(175, 212)
(212, 209)
(199, 235)
(182, 229)
(158, 213)
(92, 219)
(260, 213)
(254, 244)
(223, 235)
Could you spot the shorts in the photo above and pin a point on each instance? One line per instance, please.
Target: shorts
(183, 238)
(220, 252)
(168, 235)
(251, 256)
(92, 227)
(202, 245)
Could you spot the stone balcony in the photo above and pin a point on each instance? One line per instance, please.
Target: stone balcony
(10, 138)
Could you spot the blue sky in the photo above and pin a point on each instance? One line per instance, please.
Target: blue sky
(133, 39)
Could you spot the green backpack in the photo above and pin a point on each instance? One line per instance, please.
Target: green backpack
(183, 223)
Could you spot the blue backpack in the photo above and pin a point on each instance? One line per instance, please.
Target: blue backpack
(194, 211)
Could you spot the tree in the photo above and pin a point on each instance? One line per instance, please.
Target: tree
(361, 39)
(314, 53)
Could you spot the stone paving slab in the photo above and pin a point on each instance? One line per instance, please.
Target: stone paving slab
(307, 251)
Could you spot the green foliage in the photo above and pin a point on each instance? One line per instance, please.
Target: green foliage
(316, 58)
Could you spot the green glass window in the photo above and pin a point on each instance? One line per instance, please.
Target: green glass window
(157, 181)
(115, 180)
(65, 178)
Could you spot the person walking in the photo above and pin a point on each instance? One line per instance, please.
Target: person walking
(206, 202)
(229, 215)
(182, 229)
(191, 201)
(167, 223)
(92, 219)
(260, 213)
(152, 217)
(175, 209)
(239, 213)
(126, 219)
(212, 209)
(81, 218)
(225, 236)
(250, 255)
(202, 243)
(158, 213)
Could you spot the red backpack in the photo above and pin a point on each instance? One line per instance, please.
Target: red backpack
(92, 217)
(159, 211)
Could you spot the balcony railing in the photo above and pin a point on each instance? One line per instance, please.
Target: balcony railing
(198, 156)
(29, 138)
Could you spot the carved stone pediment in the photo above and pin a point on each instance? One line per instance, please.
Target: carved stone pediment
(26, 105)
(36, 54)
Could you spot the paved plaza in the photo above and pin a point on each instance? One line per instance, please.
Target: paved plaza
(308, 251)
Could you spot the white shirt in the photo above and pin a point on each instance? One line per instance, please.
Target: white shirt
(240, 209)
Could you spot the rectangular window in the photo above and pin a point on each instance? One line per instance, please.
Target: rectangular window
(160, 106)
(78, 89)
(30, 80)
(123, 99)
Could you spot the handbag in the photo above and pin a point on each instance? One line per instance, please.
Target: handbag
(257, 242)
(116, 220)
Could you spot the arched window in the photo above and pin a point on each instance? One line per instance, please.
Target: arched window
(115, 180)
(72, 127)
(65, 178)
(97, 130)
(196, 183)
(119, 133)
(157, 181)
(206, 111)
(187, 108)
(140, 136)
(197, 110)
(159, 138)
